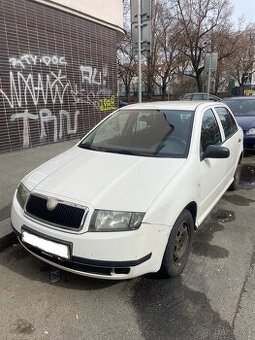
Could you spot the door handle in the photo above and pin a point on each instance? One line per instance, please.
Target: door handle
(239, 140)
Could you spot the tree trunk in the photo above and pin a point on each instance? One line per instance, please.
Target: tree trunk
(163, 91)
(127, 91)
(199, 82)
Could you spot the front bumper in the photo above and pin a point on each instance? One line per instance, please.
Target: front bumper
(107, 255)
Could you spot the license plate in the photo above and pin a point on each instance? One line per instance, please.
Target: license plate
(51, 247)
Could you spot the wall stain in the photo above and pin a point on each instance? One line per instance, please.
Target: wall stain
(247, 277)
(207, 249)
(247, 177)
(201, 245)
(238, 200)
(167, 309)
(16, 253)
(5, 212)
(222, 215)
(22, 326)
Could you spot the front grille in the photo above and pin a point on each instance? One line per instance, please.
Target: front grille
(63, 216)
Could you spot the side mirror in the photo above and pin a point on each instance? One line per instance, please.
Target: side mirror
(215, 151)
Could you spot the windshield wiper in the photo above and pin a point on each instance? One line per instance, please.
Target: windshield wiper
(120, 151)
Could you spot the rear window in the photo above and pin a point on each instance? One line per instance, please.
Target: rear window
(242, 107)
(227, 121)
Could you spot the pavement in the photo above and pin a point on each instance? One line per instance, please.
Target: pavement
(13, 167)
(213, 299)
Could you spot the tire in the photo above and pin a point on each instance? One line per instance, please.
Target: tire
(179, 245)
(235, 184)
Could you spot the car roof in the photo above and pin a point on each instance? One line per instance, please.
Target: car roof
(200, 93)
(210, 94)
(171, 105)
(240, 97)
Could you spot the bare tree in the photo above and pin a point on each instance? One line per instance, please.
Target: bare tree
(199, 19)
(224, 41)
(127, 67)
(182, 32)
(163, 61)
(241, 65)
(166, 39)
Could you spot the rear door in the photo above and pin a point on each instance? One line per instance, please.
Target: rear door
(231, 138)
(213, 170)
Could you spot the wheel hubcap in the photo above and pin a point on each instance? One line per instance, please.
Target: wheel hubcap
(181, 242)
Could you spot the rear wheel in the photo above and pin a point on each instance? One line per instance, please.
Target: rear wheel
(179, 245)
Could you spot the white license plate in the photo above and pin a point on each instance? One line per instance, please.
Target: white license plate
(48, 246)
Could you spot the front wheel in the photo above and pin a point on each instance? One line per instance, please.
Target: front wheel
(179, 245)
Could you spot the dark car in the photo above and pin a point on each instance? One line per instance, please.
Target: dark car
(121, 103)
(199, 96)
(244, 111)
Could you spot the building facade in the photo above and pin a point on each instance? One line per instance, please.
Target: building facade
(58, 72)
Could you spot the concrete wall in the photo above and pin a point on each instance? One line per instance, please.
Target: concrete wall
(109, 11)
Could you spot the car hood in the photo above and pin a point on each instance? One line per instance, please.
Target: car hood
(246, 122)
(104, 180)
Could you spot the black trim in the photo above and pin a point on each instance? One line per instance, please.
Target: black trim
(64, 216)
(82, 264)
(112, 264)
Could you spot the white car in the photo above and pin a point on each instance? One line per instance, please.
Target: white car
(126, 200)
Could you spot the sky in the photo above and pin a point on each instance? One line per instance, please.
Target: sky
(245, 8)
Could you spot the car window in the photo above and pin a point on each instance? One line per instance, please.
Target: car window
(197, 96)
(113, 128)
(187, 97)
(242, 107)
(227, 121)
(156, 133)
(210, 132)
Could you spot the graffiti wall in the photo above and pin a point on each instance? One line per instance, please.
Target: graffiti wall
(57, 74)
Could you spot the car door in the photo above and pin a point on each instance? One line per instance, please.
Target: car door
(232, 139)
(212, 170)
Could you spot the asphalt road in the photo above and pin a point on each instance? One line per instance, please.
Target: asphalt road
(213, 299)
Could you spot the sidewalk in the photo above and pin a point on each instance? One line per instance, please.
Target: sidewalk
(13, 167)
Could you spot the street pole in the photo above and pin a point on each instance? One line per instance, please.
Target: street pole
(209, 76)
(139, 52)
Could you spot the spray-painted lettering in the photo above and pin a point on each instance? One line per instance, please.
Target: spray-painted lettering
(107, 104)
(30, 59)
(53, 87)
(45, 117)
(49, 89)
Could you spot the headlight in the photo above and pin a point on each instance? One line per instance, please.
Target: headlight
(105, 220)
(250, 132)
(22, 195)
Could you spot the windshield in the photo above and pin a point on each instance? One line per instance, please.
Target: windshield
(155, 133)
(242, 107)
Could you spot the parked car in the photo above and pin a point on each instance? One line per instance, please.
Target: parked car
(199, 96)
(122, 104)
(126, 200)
(244, 111)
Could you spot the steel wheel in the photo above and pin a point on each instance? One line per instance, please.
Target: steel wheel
(179, 244)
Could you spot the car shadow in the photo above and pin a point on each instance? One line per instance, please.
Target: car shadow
(169, 309)
(20, 261)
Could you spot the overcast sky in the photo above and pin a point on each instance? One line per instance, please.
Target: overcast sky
(246, 8)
